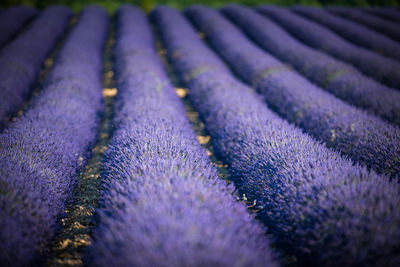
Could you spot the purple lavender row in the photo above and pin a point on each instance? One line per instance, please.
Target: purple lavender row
(12, 20)
(162, 202)
(387, 13)
(383, 69)
(317, 205)
(24, 58)
(337, 77)
(352, 31)
(390, 29)
(41, 152)
(364, 137)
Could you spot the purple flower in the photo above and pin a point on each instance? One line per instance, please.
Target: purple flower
(382, 69)
(41, 152)
(388, 13)
(352, 31)
(162, 202)
(388, 28)
(13, 19)
(339, 78)
(364, 137)
(319, 207)
(22, 59)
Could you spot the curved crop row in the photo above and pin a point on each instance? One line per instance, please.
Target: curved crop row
(335, 76)
(42, 151)
(163, 203)
(388, 13)
(25, 55)
(317, 205)
(352, 31)
(364, 137)
(388, 28)
(383, 69)
(12, 20)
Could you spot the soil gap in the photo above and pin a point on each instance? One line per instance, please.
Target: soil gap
(198, 125)
(44, 71)
(74, 237)
(22, 30)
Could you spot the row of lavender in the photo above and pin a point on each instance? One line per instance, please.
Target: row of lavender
(41, 151)
(352, 31)
(162, 202)
(389, 28)
(335, 76)
(365, 138)
(319, 206)
(22, 59)
(12, 20)
(160, 193)
(388, 14)
(383, 69)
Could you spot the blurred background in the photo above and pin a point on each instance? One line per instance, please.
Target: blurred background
(147, 5)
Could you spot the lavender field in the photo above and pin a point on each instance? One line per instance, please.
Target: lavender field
(239, 136)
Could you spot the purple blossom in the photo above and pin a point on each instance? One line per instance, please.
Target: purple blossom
(383, 69)
(339, 78)
(364, 137)
(388, 28)
(22, 59)
(12, 20)
(41, 152)
(387, 13)
(162, 203)
(352, 31)
(318, 206)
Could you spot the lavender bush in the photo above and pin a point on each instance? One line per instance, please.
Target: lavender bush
(162, 201)
(318, 206)
(335, 76)
(387, 13)
(364, 137)
(352, 31)
(382, 69)
(42, 151)
(12, 20)
(24, 58)
(388, 28)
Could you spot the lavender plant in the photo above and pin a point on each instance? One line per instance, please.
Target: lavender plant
(41, 152)
(352, 31)
(318, 206)
(12, 20)
(390, 29)
(364, 137)
(339, 78)
(387, 13)
(162, 202)
(25, 56)
(383, 69)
